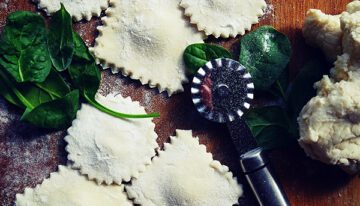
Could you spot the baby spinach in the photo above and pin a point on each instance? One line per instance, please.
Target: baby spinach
(56, 114)
(60, 39)
(28, 80)
(270, 126)
(33, 94)
(280, 86)
(302, 89)
(196, 55)
(265, 52)
(23, 47)
(86, 76)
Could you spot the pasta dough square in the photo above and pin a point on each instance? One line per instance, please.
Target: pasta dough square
(145, 39)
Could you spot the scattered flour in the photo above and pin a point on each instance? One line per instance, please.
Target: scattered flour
(268, 12)
(3, 5)
(27, 154)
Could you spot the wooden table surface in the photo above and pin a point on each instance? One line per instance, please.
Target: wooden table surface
(28, 154)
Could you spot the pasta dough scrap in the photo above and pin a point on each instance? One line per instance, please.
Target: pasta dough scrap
(78, 9)
(68, 187)
(145, 39)
(185, 174)
(110, 149)
(224, 18)
(323, 31)
(330, 123)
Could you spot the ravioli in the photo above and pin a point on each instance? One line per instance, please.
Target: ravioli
(110, 149)
(68, 187)
(185, 174)
(145, 39)
(224, 18)
(78, 9)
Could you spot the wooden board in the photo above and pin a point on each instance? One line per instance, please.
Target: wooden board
(28, 154)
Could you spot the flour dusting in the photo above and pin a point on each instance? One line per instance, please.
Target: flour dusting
(27, 154)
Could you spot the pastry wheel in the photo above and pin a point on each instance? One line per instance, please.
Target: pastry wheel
(222, 91)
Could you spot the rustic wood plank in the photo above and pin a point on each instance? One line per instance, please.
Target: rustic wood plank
(28, 155)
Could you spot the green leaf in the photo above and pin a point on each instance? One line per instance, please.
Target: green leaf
(60, 39)
(86, 76)
(280, 86)
(8, 94)
(23, 47)
(265, 53)
(302, 89)
(83, 71)
(33, 94)
(56, 114)
(196, 55)
(273, 137)
(270, 126)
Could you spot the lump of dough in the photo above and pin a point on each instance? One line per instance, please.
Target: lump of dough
(350, 24)
(323, 31)
(344, 67)
(330, 123)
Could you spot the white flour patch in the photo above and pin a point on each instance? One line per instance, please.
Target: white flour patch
(268, 12)
(3, 5)
(27, 154)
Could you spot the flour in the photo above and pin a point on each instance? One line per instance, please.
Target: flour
(27, 154)
(3, 5)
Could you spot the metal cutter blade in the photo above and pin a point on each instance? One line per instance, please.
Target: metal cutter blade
(222, 91)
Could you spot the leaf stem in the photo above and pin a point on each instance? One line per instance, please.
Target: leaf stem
(281, 91)
(16, 91)
(117, 114)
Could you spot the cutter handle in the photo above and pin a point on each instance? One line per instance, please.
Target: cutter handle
(265, 186)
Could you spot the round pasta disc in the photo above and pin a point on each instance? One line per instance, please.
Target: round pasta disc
(78, 9)
(224, 18)
(110, 149)
(68, 187)
(185, 174)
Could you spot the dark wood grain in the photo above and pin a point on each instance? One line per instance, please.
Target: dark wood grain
(28, 155)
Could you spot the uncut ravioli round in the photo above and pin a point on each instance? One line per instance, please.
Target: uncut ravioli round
(78, 9)
(68, 187)
(145, 39)
(110, 149)
(185, 174)
(224, 18)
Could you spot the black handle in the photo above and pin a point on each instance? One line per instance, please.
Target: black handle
(265, 186)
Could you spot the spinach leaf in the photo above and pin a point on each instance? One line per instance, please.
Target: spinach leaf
(83, 71)
(262, 117)
(280, 86)
(7, 92)
(86, 76)
(270, 126)
(273, 137)
(196, 55)
(33, 94)
(302, 89)
(56, 114)
(265, 52)
(23, 47)
(60, 39)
